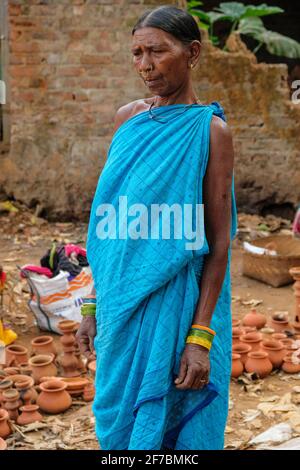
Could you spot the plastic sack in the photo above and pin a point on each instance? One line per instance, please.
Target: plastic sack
(58, 298)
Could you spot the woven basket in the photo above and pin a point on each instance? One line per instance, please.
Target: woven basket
(273, 270)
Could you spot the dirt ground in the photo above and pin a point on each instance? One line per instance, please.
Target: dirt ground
(255, 405)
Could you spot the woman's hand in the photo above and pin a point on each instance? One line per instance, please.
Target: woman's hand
(85, 337)
(194, 368)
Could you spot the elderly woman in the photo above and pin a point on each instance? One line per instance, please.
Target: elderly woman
(161, 318)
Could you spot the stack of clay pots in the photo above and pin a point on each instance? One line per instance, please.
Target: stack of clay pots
(258, 348)
(43, 379)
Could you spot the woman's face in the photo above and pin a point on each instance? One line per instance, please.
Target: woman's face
(165, 56)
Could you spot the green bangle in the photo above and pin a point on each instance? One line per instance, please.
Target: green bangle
(88, 310)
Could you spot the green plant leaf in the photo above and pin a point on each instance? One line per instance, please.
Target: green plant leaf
(203, 25)
(194, 3)
(215, 40)
(201, 14)
(232, 10)
(261, 10)
(251, 26)
(278, 44)
(216, 16)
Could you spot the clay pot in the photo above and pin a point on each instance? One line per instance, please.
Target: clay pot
(15, 354)
(3, 444)
(75, 386)
(289, 366)
(80, 364)
(43, 345)
(296, 327)
(89, 392)
(252, 339)
(29, 414)
(279, 336)
(276, 351)
(92, 367)
(69, 362)
(237, 366)
(295, 273)
(28, 394)
(242, 349)
(255, 319)
(67, 327)
(5, 384)
(235, 323)
(11, 403)
(11, 371)
(237, 332)
(287, 343)
(42, 365)
(259, 363)
(25, 369)
(5, 430)
(280, 322)
(53, 397)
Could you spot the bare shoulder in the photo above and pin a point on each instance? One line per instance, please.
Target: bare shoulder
(219, 129)
(129, 110)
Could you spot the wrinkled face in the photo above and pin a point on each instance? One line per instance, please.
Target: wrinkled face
(165, 56)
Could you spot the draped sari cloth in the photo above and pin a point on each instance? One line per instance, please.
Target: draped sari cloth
(147, 291)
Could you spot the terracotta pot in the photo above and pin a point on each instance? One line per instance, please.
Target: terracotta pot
(235, 323)
(92, 367)
(295, 273)
(296, 326)
(287, 342)
(67, 327)
(25, 369)
(5, 384)
(280, 322)
(237, 332)
(28, 394)
(43, 345)
(237, 366)
(42, 365)
(289, 366)
(279, 336)
(75, 385)
(5, 430)
(11, 403)
(242, 349)
(69, 362)
(53, 397)
(252, 339)
(81, 366)
(255, 319)
(89, 392)
(259, 362)
(276, 351)
(3, 444)
(15, 354)
(29, 414)
(11, 371)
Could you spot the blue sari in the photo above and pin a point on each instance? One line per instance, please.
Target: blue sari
(147, 291)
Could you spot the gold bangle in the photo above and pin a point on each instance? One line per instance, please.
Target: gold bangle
(200, 341)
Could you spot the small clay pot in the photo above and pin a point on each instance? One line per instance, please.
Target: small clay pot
(249, 329)
(54, 398)
(42, 365)
(67, 327)
(280, 322)
(279, 336)
(237, 332)
(289, 366)
(252, 339)
(5, 429)
(75, 385)
(259, 363)
(43, 345)
(237, 366)
(89, 392)
(15, 354)
(255, 319)
(25, 369)
(29, 414)
(235, 323)
(11, 371)
(287, 343)
(3, 444)
(5, 384)
(28, 394)
(11, 403)
(296, 326)
(69, 362)
(276, 352)
(242, 349)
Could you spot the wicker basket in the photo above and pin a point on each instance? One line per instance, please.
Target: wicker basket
(273, 270)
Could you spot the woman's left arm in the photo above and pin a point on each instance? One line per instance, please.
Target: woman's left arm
(194, 369)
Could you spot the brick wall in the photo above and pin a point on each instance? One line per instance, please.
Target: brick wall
(70, 69)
